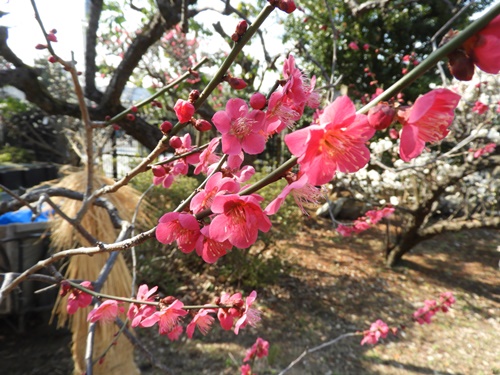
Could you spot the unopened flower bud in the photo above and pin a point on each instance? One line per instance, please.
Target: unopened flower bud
(130, 117)
(393, 133)
(116, 127)
(166, 126)
(53, 31)
(107, 118)
(52, 59)
(258, 101)
(52, 37)
(41, 46)
(202, 125)
(193, 96)
(168, 300)
(175, 142)
(287, 6)
(235, 37)
(134, 109)
(184, 110)
(237, 83)
(242, 27)
(381, 116)
(158, 170)
(461, 66)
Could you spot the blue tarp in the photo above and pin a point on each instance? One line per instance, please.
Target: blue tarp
(22, 216)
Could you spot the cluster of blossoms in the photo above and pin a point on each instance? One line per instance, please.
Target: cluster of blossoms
(365, 222)
(233, 311)
(258, 350)
(379, 329)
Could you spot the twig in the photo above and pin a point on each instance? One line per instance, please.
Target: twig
(18, 198)
(316, 348)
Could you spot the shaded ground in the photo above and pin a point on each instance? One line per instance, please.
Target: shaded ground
(332, 285)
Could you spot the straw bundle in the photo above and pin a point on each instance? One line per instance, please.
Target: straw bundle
(119, 360)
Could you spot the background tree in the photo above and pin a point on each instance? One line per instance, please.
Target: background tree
(363, 43)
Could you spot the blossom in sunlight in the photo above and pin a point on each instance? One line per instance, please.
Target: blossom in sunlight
(208, 157)
(231, 310)
(336, 144)
(238, 219)
(446, 299)
(240, 129)
(167, 318)
(216, 185)
(426, 121)
(479, 107)
(487, 149)
(209, 249)
(378, 330)
(180, 227)
(354, 46)
(249, 315)
(78, 299)
(184, 110)
(203, 320)
(246, 369)
(425, 314)
(485, 52)
(106, 311)
(300, 189)
(138, 312)
(258, 350)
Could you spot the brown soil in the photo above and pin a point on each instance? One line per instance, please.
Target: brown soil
(332, 285)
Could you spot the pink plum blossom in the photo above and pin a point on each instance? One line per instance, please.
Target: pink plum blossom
(479, 107)
(354, 46)
(137, 312)
(246, 370)
(301, 190)
(378, 330)
(426, 121)
(226, 315)
(336, 144)
(202, 320)
(240, 129)
(446, 299)
(167, 318)
(184, 110)
(486, 49)
(209, 249)
(258, 350)
(425, 314)
(180, 227)
(106, 311)
(238, 219)
(216, 185)
(249, 315)
(208, 157)
(78, 299)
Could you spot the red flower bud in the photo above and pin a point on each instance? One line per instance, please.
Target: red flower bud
(194, 95)
(41, 46)
(287, 6)
(242, 27)
(158, 170)
(53, 31)
(461, 66)
(130, 117)
(52, 59)
(52, 37)
(202, 125)
(235, 37)
(237, 83)
(107, 118)
(133, 109)
(184, 110)
(175, 142)
(258, 101)
(381, 116)
(116, 127)
(166, 126)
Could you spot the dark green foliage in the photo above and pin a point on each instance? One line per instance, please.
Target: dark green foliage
(391, 31)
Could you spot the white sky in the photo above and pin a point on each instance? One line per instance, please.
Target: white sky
(68, 18)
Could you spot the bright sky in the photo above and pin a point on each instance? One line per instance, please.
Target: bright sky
(68, 18)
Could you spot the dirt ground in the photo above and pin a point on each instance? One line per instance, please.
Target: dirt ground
(331, 285)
